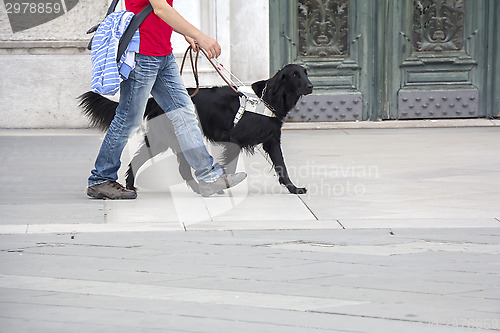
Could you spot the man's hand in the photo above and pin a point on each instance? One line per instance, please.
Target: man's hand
(212, 48)
(191, 42)
(210, 45)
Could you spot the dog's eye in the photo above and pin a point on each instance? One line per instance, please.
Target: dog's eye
(295, 75)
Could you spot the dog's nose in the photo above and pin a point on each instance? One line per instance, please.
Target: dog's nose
(309, 88)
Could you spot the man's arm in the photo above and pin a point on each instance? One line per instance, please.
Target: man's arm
(163, 10)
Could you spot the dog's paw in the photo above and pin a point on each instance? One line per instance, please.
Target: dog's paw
(301, 190)
(297, 190)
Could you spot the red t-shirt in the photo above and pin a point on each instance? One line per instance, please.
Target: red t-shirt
(155, 33)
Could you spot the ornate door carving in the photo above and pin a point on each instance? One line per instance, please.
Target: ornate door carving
(438, 25)
(323, 28)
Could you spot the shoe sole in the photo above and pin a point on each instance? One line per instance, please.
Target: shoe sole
(103, 196)
(208, 192)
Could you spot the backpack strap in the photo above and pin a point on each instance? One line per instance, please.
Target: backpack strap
(111, 9)
(130, 31)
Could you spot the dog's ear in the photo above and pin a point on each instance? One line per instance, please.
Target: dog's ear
(275, 83)
(258, 87)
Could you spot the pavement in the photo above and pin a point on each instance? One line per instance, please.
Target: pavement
(398, 232)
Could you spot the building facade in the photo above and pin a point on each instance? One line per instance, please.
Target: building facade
(45, 64)
(368, 59)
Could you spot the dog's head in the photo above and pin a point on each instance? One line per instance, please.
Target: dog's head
(291, 80)
(295, 80)
(284, 89)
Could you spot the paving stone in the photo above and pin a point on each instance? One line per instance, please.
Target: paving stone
(395, 223)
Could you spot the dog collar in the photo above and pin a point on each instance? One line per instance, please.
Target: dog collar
(250, 102)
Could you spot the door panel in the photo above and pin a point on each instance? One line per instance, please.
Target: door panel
(438, 41)
(326, 38)
(390, 59)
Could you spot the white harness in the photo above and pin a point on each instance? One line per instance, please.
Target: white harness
(250, 102)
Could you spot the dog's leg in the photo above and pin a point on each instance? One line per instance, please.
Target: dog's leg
(142, 156)
(185, 171)
(273, 149)
(230, 154)
(155, 142)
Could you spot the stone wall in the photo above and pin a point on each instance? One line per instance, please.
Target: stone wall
(45, 68)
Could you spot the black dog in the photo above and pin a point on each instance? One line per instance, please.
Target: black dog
(216, 109)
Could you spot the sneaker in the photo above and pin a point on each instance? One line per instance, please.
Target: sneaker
(110, 190)
(222, 183)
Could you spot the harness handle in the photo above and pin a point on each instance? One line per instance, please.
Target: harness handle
(194, 65)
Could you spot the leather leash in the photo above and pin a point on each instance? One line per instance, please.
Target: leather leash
(249, 101)
(194, 66)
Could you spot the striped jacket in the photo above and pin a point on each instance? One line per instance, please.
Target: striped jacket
(105, 70)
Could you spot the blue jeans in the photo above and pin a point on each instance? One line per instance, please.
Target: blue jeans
(158, 76)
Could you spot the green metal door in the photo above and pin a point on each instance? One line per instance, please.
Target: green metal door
(391, 59)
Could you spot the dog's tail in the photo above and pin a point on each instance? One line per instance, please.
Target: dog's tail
(100, 110)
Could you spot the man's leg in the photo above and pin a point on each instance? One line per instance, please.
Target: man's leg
(170, 93)
(134, 94)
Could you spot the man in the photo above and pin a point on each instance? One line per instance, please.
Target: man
(156, 73)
